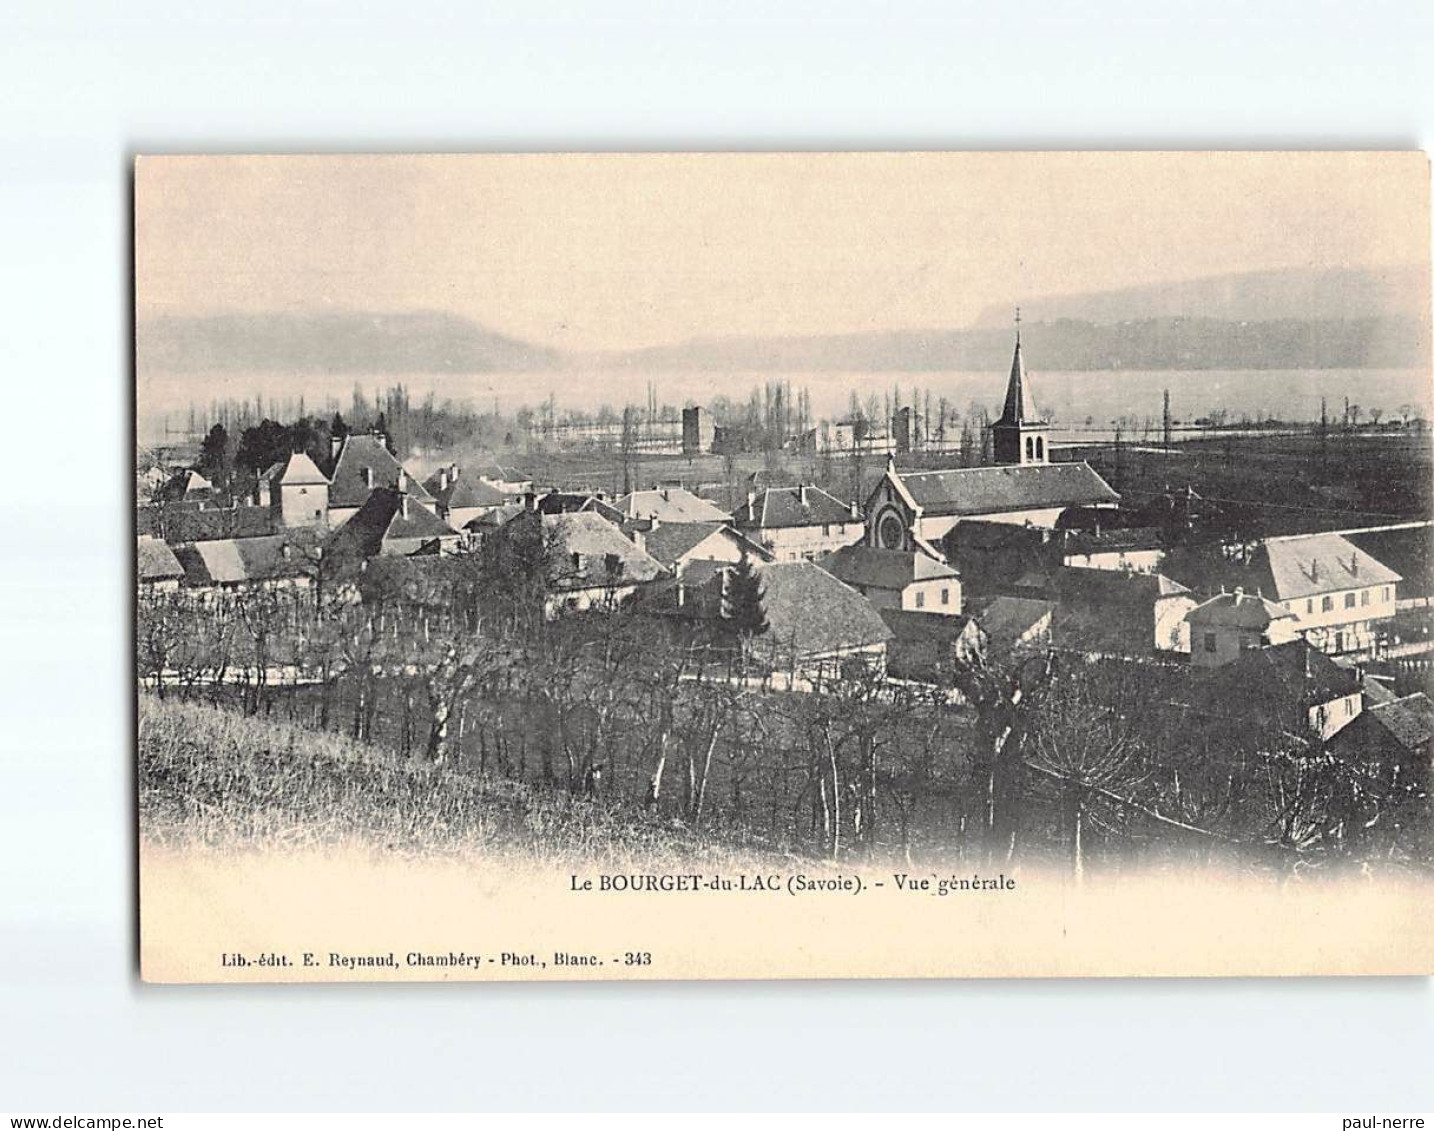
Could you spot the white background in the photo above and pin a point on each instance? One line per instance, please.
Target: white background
(84, 86)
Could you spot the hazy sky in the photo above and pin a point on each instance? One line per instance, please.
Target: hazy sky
(583, 252)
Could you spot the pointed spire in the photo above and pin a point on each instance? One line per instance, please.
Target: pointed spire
(1020, 405)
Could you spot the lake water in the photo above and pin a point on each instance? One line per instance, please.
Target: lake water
(1069, 397)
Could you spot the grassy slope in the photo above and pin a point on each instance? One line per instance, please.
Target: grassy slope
(212, 777)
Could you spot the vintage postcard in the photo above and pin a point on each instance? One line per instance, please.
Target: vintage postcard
(870, 565)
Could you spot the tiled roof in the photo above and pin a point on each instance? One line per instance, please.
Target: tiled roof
(575, 502)
(460, 492)
(1237, 610)
(1113, 587)
(381, 519)
(350, 485)
(997, 490)
(596, 542)
(302, 471)
(912, 627)
(810, 610)
(669, 504)
(670, 541)
(1006, 620)
(1310, 564)
(155, 561)
(792, 506)
(1409, 721)
(231, 560)
(865, 566)
(1282, 674)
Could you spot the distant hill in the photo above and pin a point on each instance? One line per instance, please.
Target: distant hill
(336, 342)
(1258, 296)
(1151, 343)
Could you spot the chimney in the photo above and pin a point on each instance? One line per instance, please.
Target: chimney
(403, 505)
(402, 481)
(855, 510)
(752, 505)
(530, 500)
(639, 539)
(1239, 594)
(653, 523)
(453, 473)
(681, 594)
(665, 496)
(336, 445)
(368, 477)
(802, 494)
(287, 551)
(443, 478)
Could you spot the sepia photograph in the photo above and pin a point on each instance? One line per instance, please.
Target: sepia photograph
(783, 565)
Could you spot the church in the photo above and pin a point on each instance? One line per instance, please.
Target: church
(913, 510)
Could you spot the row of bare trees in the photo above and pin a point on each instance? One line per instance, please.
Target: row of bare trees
(455, 662)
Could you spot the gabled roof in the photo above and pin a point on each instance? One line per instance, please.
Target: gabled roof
(364, 452)
(188, 484)
(1408, 721)
(381, 519)
(155, 561)
(669, 543)
(1020, 406)
(461, 492)
(669, 504)
(775, 507)
(1114, 587)
(1283, 674)
(911, 627)
(1005, 620)
(865, 566)
(574, 502)
(597, 542)
(233, 560)
(1238, 610)
(812, 612)
(302, 471)
(1306, 565)
(498, 516)
(997, 490)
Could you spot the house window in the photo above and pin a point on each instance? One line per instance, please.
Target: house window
(826, 531)
(1309, 605)
(945, 596)
(1349, 600)
(1349, 706)
(1326, 604)
(1386, 592)
(1209, 642)
(577, 560)
(1364, 596)
(921, 600)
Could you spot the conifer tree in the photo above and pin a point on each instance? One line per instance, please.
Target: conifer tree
(745, 614)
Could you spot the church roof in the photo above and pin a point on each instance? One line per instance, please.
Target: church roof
(997, 490)
(1020, 405)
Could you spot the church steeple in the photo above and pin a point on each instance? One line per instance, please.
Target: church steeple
(1019, 437)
